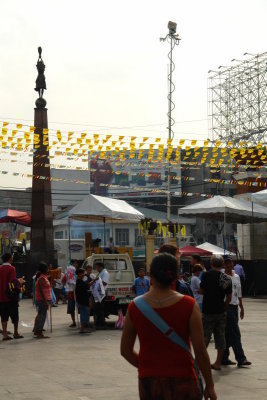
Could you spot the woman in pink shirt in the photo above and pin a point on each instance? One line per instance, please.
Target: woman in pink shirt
(42, 299)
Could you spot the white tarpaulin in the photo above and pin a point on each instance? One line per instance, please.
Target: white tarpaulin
(222, 207)
(98, 208)
(215, 249)
(260, 197)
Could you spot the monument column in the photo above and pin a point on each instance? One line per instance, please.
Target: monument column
(42, 235)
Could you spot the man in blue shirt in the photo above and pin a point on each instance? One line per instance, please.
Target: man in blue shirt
(141, 284)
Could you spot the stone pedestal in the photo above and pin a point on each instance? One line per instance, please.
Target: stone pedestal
(42, 235)
(150, 248)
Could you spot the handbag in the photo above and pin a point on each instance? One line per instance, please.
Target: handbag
(167, 331)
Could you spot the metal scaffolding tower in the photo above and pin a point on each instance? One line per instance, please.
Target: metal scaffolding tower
(237, 101)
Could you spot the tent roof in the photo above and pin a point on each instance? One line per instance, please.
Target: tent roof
(235, 210)
(18, 217)
(99, 208)
(215, 249)
(190, 250)
(260, 197)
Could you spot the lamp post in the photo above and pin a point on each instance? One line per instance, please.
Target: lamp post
(173, 38)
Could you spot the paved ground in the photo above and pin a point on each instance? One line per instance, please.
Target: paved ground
(71, 366)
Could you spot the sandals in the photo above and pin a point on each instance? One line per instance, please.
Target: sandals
(42, 337)
(7, 338)
(18, 336)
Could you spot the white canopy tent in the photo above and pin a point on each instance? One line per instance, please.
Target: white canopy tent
(98, 208)
(260, 197)
(226, 208)
(215, 249)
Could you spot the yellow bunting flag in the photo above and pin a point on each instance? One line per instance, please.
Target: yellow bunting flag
(59, 137)
(45, 131)
(32, 128)
(14, 132)
(19, 126)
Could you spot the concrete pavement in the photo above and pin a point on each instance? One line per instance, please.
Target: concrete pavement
(84, 367)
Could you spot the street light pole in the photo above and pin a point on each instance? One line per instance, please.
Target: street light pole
(173, 38)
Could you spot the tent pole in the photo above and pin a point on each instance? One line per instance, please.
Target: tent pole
(104, 231)
(224, 231)
(69, 241)
(178, 230)
(253, 233)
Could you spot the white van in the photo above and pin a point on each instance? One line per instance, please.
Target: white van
(121, 280)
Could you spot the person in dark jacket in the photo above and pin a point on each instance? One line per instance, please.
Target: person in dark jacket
(82, 298)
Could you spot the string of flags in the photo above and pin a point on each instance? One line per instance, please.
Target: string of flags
(137, 187)
(123, 148)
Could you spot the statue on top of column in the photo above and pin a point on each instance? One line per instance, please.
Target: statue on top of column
(40, 81)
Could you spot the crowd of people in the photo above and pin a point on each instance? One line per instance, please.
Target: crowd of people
(83, 291)
(169, 313)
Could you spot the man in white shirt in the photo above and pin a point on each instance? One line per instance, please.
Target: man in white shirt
(232, 331)
(100, 305)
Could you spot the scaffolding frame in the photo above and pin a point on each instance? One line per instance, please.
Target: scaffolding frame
(237, 101)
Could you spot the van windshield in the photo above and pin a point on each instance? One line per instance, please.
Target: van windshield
(113, 265)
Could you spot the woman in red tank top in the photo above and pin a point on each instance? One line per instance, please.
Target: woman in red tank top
(165, 370)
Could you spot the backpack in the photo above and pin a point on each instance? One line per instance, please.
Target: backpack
(13, 290)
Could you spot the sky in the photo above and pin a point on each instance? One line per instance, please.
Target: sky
(106, 68)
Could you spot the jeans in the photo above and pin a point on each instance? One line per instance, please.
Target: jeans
(233, 336)
(84, 314)
(41, 316)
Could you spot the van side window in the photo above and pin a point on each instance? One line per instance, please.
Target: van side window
(113, 265)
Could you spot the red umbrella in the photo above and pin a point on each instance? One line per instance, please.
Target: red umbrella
(188, 251)
(18, 217)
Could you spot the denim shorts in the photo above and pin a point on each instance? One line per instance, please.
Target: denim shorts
(84, 312)
(215, 324)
